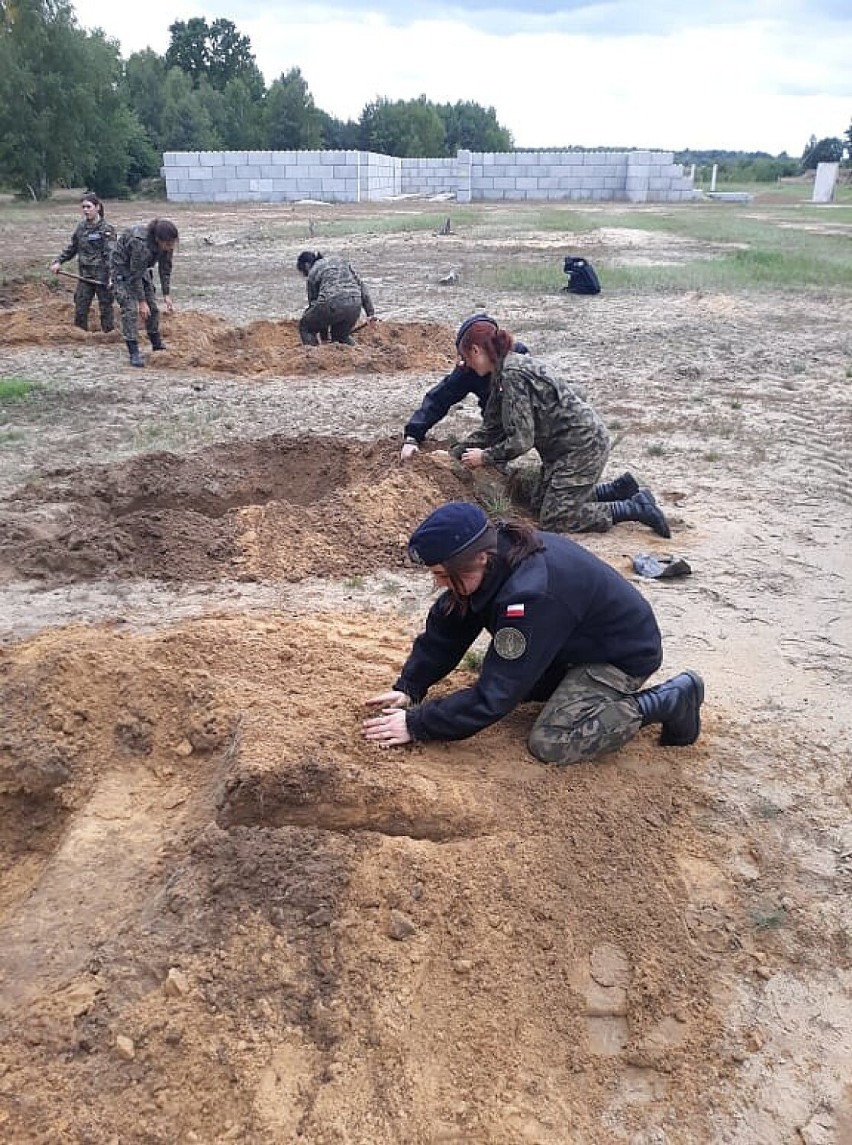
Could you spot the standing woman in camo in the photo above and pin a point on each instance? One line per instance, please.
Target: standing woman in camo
(137, 251)
(335, 297)
(529, 408)
(91, 243)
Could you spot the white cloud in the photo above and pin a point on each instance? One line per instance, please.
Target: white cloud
(765, 82)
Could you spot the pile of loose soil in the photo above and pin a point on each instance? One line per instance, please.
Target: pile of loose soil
(279, 507)
(225, 910)
(39, 314)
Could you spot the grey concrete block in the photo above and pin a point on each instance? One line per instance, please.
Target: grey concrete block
(249, 171)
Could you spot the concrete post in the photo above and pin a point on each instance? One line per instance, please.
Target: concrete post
(713, 177)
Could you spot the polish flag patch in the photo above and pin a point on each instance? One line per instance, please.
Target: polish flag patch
(514, 610)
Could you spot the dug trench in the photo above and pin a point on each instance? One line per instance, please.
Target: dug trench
(227, 916)
(277, 507)
(228, 908)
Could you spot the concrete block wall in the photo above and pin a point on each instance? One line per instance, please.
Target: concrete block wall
(579, 176)
(381, 175)
(435, 176)
(362, 176)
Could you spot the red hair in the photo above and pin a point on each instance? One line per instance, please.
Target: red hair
(495, 341)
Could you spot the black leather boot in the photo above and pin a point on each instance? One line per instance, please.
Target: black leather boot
(621, 489)
(642, 508)
(676, 705)
(156, 342)
(135, 357)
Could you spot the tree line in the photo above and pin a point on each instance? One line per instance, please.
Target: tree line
(73, 112)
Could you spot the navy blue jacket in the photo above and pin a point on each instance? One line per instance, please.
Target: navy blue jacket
(451, 390)
(567, 607)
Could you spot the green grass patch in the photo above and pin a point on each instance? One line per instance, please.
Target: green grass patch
(15, 389)
(392, 224)
(523, 276)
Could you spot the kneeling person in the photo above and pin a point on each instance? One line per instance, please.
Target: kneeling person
(335, 297)
(567, 630)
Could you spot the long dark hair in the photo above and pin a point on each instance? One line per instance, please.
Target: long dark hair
(91, 197)
(162, 231)
(522, 540)
(307, 259)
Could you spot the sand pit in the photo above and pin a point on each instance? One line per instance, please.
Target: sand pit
(36, 314)
(223, 915)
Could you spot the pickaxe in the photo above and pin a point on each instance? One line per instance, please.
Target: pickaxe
(68, 274)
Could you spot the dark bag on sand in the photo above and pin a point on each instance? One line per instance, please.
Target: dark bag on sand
(581, 277)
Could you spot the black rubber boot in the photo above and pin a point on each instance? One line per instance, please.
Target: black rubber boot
(81, 323)
(676, 705)
(135, 357)
(621, 489)
(156, 342)
(642, 508)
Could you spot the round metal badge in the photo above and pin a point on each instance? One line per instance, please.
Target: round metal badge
(510, 643)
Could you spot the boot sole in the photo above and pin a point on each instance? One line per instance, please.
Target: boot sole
(670, 739)
(659, 525)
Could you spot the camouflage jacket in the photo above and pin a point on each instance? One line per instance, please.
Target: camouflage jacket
(331, 277)
(134, 256)
(92, 243)
(528, 409)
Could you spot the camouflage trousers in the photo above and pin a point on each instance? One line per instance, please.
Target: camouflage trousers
(562, 495)
(83, 297)
(129, 307)
(591, 712)
(333, 320)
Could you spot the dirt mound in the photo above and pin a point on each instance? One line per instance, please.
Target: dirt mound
(255, 926)
(278, 507)
(40, 314)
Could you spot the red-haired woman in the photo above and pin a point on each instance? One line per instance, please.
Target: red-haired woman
(528, 408)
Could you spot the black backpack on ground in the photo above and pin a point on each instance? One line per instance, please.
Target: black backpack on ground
(581, 277)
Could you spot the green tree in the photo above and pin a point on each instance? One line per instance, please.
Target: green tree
(43, 100)
(829, 150)
(216, 52)
(144, 86)
(187, 124)
(407, 128)
(292, 120)
(469, 125)
(339, 135)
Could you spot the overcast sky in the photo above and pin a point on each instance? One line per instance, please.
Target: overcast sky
(750, 75)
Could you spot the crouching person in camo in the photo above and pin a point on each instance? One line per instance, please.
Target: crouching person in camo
(528, 407)
(137, 251)
(566, 630)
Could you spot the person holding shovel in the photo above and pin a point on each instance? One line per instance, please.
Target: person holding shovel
(91, 243)
(335, 297)
(137, 251)
(567, 631)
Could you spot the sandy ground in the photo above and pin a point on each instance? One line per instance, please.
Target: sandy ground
(225, 917)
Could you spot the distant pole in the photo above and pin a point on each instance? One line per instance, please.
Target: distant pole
(713, 177)
(692, 172)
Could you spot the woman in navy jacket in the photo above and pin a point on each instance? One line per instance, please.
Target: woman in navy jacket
(566, 629)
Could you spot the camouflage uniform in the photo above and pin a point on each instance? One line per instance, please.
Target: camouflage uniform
(133, 259)
(528, 409)
(592, 712)
(92, 243)
(335, 297)
(567, 631)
